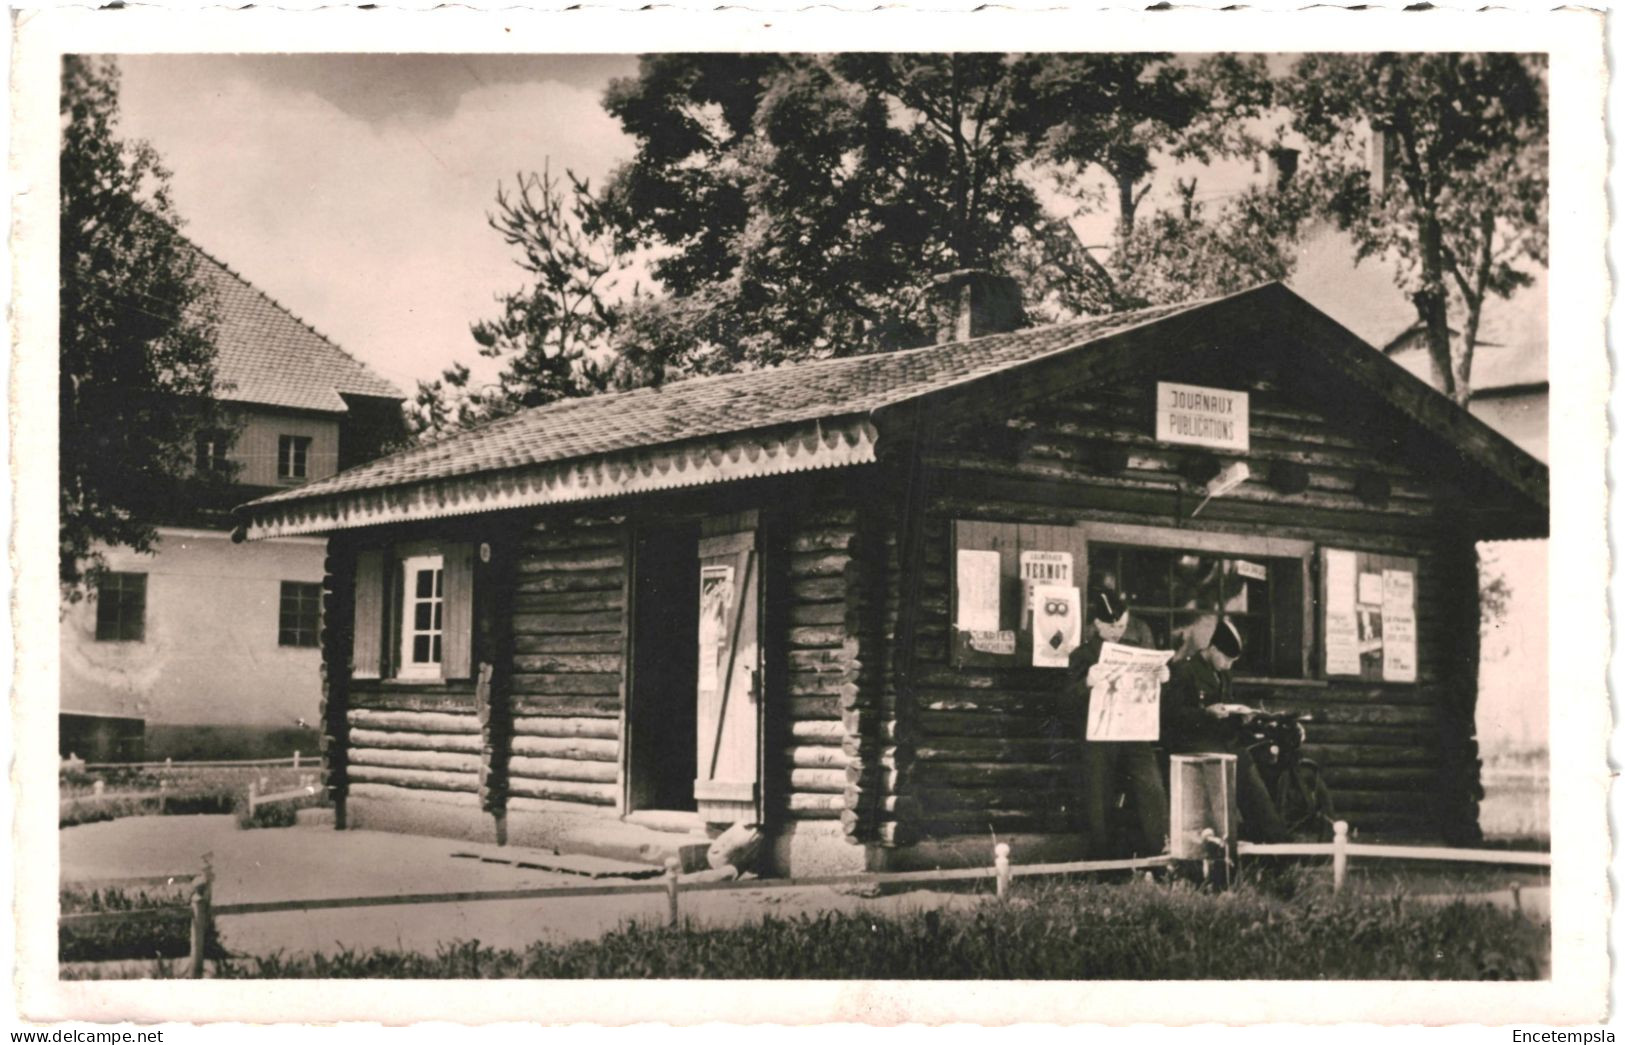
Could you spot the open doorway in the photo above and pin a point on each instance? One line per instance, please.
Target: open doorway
(661, 706)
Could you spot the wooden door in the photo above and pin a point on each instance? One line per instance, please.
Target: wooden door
(727, 787)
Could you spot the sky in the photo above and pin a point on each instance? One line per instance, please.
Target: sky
(354, 189)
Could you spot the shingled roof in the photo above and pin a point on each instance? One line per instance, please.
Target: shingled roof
(268, 356)
(708, 406)
(796, 418)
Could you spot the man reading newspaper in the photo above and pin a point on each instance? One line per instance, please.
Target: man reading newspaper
(1117, 676)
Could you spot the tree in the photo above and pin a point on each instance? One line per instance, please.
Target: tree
(137, 344)
(800, 202)
(552, 335)
(1122, 114)
(1465, 135)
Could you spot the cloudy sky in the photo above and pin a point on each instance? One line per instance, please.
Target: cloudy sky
(354, 189)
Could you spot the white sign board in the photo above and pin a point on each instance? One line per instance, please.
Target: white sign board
(1342, 624)
(1198, 416)
(977, 578)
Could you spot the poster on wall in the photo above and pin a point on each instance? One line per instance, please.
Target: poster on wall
(1127, 703)
(1041, 567)
(1369, 615)
(1342, 626)
(1057, 624)
(978, 582)
(1399, 626)
(994, 569)
(716, 592)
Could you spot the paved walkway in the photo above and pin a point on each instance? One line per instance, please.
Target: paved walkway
(307, 863)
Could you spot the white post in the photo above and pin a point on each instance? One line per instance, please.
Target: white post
(1340, 854)
(163, 794)
(97, 787)
(1001, 868)
(253, 794)
(671, 888)
(202, 915)
(296, 760)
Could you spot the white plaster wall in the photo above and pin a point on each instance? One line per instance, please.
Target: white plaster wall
(1513, 709)
(210, 656)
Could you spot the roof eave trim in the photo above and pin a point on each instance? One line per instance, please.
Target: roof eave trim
(837, 443)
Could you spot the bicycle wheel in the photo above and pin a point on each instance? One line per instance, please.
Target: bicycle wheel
(1305, 803)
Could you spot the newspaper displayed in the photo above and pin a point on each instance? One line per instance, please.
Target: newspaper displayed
(1126, 701)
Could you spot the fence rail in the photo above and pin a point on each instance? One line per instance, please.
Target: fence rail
(1340, 850)
(297, 761)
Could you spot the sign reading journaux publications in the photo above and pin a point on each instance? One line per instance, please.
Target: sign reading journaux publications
(1198, 416)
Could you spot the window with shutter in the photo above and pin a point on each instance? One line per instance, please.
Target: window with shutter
(423, 616)
(457, 630)
(414, 612)
(368, 655)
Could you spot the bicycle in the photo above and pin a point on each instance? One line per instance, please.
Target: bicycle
(1275, 740)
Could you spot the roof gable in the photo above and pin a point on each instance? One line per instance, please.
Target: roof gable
(266, 355)
(823, 414)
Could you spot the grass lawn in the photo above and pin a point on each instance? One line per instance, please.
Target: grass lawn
(1047, 931)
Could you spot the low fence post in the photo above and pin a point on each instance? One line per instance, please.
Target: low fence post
(163, 794)
(97, 787)
(253, 796)
(671, 889)
(1340, 854)
(1215, 859)
(296, 760)
(1001, 868)
(202, 902)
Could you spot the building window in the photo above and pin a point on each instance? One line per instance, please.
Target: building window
(212, 445)
(299, 620)
(121, 607)
(414, 612)
(292, 456)
(422, 616)
(1173, 590)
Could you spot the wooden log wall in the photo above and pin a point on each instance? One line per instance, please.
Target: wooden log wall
(569, 638)
(397, 741)
(876, 724)
(338, 640)
(996, 747)
(820, 659)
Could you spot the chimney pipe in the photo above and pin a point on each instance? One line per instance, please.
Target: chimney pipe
(1283, 164)
(972, 303)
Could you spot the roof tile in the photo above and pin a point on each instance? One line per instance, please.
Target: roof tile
(267, 355)
(710, 406)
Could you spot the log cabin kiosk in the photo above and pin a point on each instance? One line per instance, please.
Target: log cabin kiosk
(797, 597)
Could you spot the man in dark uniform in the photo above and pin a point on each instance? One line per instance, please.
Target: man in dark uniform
(1194, 707)
(1111, 767)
